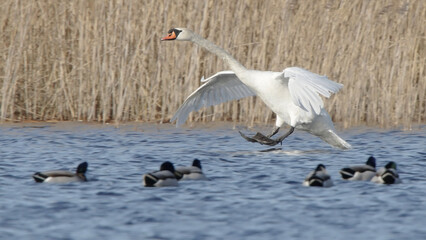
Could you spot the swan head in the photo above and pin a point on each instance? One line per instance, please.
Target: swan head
(180, 34)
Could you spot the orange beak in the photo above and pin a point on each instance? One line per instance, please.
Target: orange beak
(170, 36)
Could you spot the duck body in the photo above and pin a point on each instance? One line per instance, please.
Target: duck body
(165, 177)
(318, 178)
(360, 172)
(61, 176)
(160, 179)
(193, 172)
(387, 175)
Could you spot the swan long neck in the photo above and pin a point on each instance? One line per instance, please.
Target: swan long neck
(235, 66)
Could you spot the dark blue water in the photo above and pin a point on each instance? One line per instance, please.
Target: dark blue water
(251, 194)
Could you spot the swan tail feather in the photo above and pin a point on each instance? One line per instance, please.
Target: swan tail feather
(333, 139)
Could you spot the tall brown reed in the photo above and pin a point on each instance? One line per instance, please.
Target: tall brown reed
(103, 61)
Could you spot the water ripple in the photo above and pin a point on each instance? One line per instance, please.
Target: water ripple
(253, 191)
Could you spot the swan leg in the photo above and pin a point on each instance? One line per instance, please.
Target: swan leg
(267, 140)
(280, 139)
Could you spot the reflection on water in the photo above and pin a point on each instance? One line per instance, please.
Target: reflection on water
(253, 192)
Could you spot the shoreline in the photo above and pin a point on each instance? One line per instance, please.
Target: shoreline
(190, 126)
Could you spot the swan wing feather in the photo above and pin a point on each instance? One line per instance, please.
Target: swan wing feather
(222, 87)
(306, 87)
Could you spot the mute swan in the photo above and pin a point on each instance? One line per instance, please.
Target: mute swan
(60, 176)
(293, 95)
(360, 172)
(165, 177)
(318, 178)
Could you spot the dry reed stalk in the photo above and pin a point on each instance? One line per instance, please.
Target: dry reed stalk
(103, 61)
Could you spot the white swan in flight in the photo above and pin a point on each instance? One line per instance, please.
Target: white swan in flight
(293, 95)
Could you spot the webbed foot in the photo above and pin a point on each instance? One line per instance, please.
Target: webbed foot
(260, 138)
(267, 140)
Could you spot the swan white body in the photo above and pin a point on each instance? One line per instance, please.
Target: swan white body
(193, 172)
(318, 178)
(293, 95)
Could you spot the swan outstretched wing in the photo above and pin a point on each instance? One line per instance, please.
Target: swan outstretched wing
(222, 87)
(305, 87)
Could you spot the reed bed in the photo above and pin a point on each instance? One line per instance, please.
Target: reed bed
(103, 60)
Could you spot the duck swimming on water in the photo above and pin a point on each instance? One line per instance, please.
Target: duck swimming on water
(387, 175)
(165, 177)
(360, 172)
(193, 172)
(318, 178)
(61, 176)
